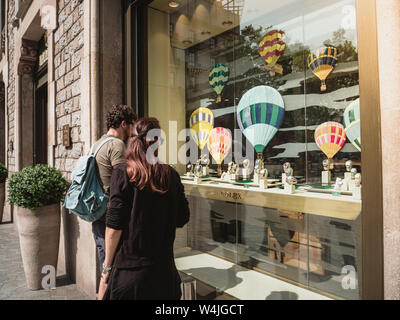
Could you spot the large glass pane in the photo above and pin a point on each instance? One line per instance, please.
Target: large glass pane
(268, 83)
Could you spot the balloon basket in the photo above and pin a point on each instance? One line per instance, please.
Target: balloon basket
(323, 86)
(219, 171)
(219, 99)
(276, 69)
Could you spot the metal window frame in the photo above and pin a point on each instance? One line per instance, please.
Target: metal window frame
(371, 267)
(372, 281)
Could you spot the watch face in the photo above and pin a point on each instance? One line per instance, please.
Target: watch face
(349, 165)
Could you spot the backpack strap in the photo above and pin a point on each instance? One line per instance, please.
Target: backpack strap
(100, 145)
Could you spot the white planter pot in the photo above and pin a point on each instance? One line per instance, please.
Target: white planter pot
(39, 236)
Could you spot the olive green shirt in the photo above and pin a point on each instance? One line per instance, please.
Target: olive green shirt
(110, 155)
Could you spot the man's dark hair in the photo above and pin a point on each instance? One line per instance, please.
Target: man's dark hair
(119, 113)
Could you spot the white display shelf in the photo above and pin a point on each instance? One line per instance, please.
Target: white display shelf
(240, 282)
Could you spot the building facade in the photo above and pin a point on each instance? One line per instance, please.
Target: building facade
(65, 62)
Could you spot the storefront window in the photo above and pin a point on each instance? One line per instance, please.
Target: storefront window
(261, 84)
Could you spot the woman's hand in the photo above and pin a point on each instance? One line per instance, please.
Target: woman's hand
(103, 285)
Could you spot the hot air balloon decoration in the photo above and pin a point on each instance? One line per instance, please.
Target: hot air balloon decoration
(271, 48)
(330, 137)
(201, 123)
(351, 121)
(260, 114)
(219, 145)
(218, 78)
(322, 62)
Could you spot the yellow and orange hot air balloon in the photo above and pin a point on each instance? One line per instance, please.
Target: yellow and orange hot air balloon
(330, 137)
(271, 48)
(219, 145)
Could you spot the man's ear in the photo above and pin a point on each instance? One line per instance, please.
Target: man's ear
(123, 124)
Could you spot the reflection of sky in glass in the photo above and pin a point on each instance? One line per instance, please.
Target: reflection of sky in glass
(320, 21)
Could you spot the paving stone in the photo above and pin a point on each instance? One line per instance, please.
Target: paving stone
(12, 277)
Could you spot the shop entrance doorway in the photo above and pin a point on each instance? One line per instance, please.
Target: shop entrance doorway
(40, 123)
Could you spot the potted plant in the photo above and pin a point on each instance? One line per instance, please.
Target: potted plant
(3, 178)
(37, 192)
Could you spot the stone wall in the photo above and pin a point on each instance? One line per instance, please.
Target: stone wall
(68, 53)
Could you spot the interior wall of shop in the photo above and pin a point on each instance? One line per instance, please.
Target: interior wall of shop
(166, 80)
(166, 92)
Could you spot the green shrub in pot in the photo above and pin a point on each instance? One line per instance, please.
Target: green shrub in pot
(3, 173)
(35, 187)
(37, 192)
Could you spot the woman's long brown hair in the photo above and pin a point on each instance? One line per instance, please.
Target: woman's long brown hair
(153, 176)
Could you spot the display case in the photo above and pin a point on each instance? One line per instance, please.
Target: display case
(260, 110)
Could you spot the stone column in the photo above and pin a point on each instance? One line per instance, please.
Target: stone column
(25, 103)
(2, 123)
(388, 20)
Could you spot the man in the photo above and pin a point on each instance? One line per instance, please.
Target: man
(120, 121)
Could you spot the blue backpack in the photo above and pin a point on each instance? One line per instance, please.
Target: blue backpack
(85, 196)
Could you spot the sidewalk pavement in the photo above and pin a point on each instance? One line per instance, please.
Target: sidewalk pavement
(12, 277)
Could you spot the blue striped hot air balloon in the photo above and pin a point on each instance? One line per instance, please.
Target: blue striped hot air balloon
(218, 78)
(351, 121)
(260, 114)
(322, 62)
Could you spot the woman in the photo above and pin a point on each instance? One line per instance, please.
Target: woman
(147, 203)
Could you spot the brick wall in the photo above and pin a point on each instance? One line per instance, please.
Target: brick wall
(68, 53)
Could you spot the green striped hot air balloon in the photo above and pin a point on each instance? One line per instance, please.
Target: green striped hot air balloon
(218, 78)
(260, 114)
(351, 121)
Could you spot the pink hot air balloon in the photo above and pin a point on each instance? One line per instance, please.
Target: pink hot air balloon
(330, 137)
(219, 145)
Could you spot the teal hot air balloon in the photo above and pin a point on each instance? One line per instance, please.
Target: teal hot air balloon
(218, 78)
(260, 114)
(351, 121)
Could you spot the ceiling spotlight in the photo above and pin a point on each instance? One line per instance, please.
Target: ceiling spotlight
(203, 33)
(174, 4)
(227, 23)
(187, 42)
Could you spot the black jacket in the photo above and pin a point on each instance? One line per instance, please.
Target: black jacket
(148, 219)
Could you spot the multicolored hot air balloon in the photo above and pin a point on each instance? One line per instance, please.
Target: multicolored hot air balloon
(322, 62)
(330, 138)
(219, 144)
(260, 114)
(218, 78)
(351, 121)
(201, 122)
(271, 47)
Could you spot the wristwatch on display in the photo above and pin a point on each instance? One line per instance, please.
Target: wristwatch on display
(106, 269)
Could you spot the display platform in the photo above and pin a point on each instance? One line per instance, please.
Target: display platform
(322, 204)
(238, 281)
